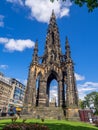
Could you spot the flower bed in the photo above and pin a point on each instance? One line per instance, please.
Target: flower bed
(25, 126)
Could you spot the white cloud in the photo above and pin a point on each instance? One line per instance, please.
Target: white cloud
(79, 77)
(3, 40)
(41, 9)
(64, 12)
(81, 96)
(83, 90)
(3, 66)
(16, 45)
(86, 88)
(53, 93)
(25, 82)
(15, 1)
(88, 84)
(1, 21)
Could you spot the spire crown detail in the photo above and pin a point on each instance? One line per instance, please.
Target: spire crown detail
(52, 21)
(35, 54)
(52, 47)
(53, 14)
(36, 45)
(67, 43)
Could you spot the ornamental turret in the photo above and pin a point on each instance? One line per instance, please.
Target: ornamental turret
(35, 54)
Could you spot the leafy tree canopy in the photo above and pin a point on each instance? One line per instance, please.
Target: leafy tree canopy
(96, 103)
(90, 100)
(91, 4)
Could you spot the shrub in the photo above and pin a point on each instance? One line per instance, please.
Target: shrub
(25, 126)
(42, 119)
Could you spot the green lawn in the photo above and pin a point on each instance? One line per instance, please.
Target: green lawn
(55, 124)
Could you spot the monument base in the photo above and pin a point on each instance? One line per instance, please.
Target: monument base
(72, 114)
(45, 112)
(48, 113)
(53, 113)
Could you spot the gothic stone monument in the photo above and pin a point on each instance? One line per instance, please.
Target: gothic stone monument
(53, 65)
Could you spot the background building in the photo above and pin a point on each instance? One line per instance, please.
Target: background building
(11, 93)
(5, 92)
(17, 95)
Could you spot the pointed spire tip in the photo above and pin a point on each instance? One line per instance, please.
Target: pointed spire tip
(52, 11)
(66, 39)
(36, 40)
(67, 42)
(53, 14)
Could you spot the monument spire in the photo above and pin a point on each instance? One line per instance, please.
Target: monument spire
(52, 47)
(71, 90)
(53, 32)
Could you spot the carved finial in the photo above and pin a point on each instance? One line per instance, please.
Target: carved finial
(36, 44)
(53, 14)
(53, 18)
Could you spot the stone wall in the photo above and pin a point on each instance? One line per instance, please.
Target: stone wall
(48, 113)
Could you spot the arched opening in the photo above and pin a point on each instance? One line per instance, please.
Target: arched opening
(53, 93)
(37, 88)
(52, 90)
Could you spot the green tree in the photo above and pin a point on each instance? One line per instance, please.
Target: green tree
(82, 104)
(92, 99)
(91, 4)
(96, 103)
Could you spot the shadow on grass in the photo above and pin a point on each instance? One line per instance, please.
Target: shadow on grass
(68, 127)
(3, 124)
(56, 126)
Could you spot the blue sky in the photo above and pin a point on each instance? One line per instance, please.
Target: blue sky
(24, 21)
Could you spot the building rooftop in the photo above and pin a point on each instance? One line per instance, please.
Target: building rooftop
(5, 79)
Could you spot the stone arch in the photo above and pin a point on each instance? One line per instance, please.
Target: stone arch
(51, 75)
(56, 75)
(39, 74)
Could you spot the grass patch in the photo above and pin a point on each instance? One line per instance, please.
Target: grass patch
(55, 124)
